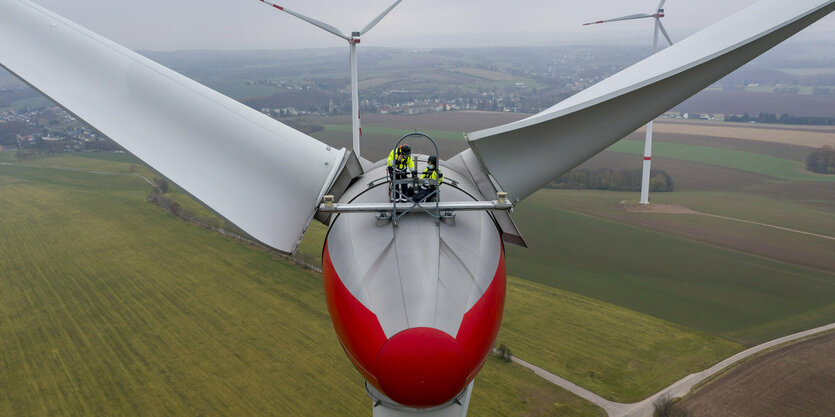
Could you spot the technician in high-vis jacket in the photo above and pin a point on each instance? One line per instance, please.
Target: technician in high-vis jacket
(431, 178)
(399, 164)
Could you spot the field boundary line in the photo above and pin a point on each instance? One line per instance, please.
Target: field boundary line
(767, 225)
(677, 389)
(82, 170)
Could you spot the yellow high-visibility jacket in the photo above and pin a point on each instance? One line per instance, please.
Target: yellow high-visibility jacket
(433, 174)
(400, 161)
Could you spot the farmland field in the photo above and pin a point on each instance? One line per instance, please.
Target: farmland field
(744, 161)
(809, 240)
(111, 306)
(617, 353)
(732, 294)
(624, 375)
(632, 301)
(792, 380)
(484, 74)
(783, 162)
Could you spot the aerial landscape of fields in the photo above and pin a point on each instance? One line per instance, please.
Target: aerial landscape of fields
(120, 294)
(617, 311)
(112, 306)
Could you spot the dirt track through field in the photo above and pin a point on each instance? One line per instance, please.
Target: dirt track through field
(769, 225)
(675, 209)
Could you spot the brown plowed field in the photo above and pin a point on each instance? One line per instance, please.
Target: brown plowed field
(796, 380)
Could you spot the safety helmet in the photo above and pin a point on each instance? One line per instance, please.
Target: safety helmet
(433, 160)
(406, 150)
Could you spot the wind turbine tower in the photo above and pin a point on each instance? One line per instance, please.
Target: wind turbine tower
(659, 13)
(353, 41)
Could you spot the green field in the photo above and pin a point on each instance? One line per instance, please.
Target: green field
(795, 245)
(763, 162)
(744, 161)
(31, 102)
(662, 295)
(111, 306)
(617, 353)
(723, 292)
(812, 214)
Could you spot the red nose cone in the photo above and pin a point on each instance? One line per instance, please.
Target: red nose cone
(422, 367)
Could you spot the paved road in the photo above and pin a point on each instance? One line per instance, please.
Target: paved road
(678, 389)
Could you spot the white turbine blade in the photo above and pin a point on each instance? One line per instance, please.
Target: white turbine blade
(661, 4)
(523, 156)
(664, 31)
(256, 172)
(617, 19)
(312, 21)
(379, 18)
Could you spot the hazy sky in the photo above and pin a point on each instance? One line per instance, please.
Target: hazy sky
(250, 24)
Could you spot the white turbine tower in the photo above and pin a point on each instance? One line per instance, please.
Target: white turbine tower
(659, 13)
(353, 40)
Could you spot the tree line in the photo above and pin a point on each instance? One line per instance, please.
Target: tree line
(612, 180)
(822, 160)
(782, 119)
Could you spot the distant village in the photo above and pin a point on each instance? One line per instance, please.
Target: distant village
(50, 129)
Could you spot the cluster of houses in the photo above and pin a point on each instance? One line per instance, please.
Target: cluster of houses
(54, 128)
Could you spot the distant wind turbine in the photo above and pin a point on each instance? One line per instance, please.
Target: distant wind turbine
(659, 13)
(353, 40)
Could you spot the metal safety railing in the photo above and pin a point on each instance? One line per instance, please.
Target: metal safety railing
(394, 210)
(396, 186)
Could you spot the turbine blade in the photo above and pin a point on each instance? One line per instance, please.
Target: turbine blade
(379, 18)
(523, 156)
(617, 19)
(312, 21)
(664, 31)
(256, 172)
(661, 4)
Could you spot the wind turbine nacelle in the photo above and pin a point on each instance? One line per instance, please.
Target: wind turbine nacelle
(416, 306)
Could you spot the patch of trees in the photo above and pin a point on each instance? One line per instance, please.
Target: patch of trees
(303, 125)
(612, 180)
(782, 119)
(823, 91)
(822, 160)
(10, 130)
(104, 145)
(43, 149)
(504, 353)
(666, 407)
(162, 185)
(26, 155)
